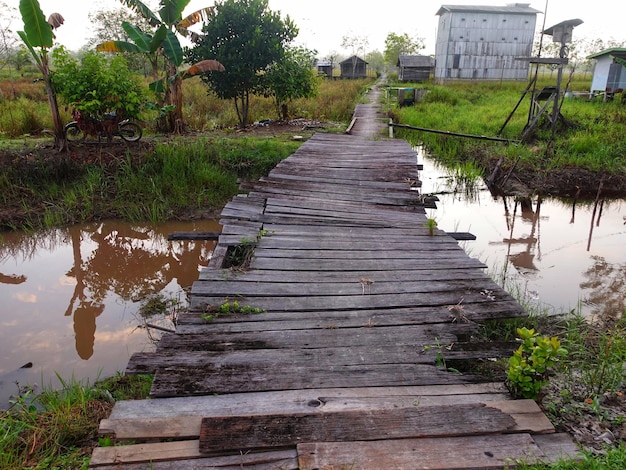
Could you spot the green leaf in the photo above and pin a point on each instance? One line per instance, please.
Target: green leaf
(143, 10)
(159, 36)
(173, 50)
(158, 86)
(36, 28)
(141, 39)
(172, 10)
(22, 35)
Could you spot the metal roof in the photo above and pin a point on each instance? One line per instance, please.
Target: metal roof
(619, 52)
(511, 8)
(415, 61)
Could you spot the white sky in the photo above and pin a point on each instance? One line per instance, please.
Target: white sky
(323, 23)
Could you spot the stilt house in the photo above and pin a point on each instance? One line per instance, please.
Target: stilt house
(415, 68)
(353, 67)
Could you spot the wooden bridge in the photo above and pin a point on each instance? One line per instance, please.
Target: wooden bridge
(330, 341)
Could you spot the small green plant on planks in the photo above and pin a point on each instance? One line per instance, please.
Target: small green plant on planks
(431, 225)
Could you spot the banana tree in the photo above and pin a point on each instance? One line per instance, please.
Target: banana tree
(38, 37)
(163, 43)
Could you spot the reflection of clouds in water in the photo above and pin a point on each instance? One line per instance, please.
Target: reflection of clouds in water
(25, 297)
(66, 281)
(114, 336)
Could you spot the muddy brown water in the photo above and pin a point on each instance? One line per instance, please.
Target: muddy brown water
(556, 255)
(70, 298)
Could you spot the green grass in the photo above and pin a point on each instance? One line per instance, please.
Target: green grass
(611, 458)
(58, 428)
(594, 141)
(177, 175)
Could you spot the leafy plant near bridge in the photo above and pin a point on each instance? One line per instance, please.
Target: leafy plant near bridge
(529, 366)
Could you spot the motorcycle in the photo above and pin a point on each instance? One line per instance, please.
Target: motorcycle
(110, 125)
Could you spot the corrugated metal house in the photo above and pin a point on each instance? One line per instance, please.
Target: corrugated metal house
(608, 75)
(482, 42)
(353, 67)
(415, 68)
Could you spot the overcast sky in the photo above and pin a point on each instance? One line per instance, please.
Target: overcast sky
(323, 23)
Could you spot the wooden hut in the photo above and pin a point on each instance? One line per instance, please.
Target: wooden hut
(415, 68)
(325, 68)
(353, 67)
(609, 75)
(482, 42)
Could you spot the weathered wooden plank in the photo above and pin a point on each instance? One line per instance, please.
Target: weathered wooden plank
(410, 335)
(218, 434)
(163, 455)
(187, 381)
(365, 232)
(427, 352)
(558, 446)
(186, 424)
(447, 453)
(355, 302)
(320, 242)
(409, 275)
(192, 322)
(355, 286)
(303, 400)
(335, 255)
(444, 261)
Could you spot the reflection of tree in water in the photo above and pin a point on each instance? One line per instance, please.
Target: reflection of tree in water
(606, 284)
(132, 262)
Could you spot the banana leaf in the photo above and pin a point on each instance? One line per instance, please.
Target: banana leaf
(36, 28)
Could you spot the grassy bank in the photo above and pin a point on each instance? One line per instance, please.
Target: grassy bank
(58, 429)
(159, 181)
(591, 143)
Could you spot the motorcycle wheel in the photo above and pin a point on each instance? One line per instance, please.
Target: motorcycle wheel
(130, 131)
(73, 133)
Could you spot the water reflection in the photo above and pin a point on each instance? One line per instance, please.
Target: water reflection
(563, 254)
(95, 276)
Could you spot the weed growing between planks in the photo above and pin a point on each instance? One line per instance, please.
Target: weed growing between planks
(229, 308)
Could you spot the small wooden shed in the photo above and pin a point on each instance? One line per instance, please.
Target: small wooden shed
(353, 67)
(609, 76)
(415, 68)
(325, 68)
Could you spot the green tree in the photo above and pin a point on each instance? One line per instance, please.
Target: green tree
(401, 44)
(247, 38)
(96, 84)
(376, 61)
(164, 44)
(291, 78)
(38, 37)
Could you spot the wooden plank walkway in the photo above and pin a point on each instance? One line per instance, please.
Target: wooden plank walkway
(362, 310)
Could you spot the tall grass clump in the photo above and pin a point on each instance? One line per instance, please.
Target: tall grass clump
(58, 427)
(23, 117)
